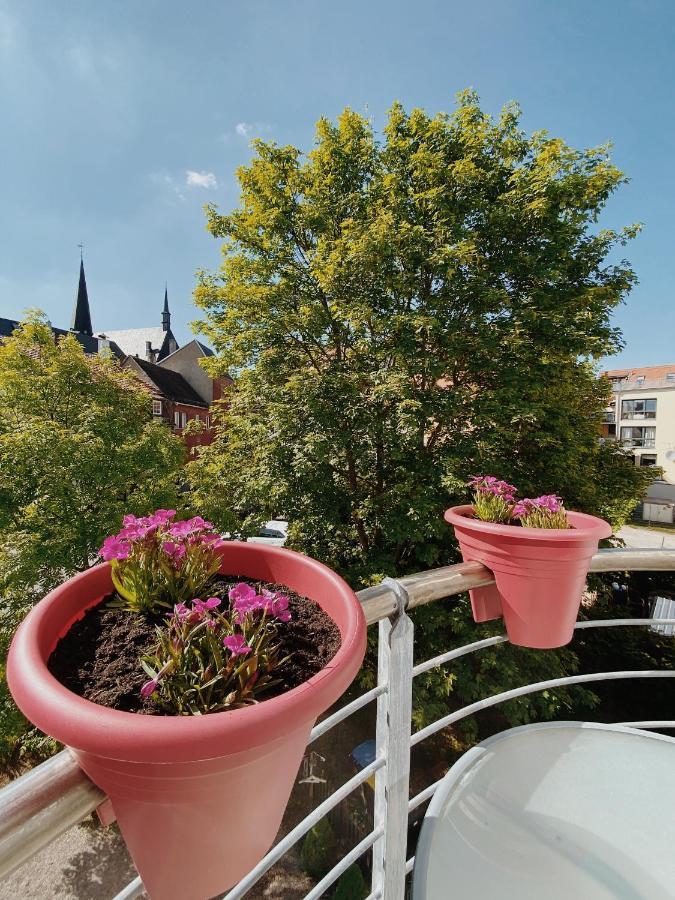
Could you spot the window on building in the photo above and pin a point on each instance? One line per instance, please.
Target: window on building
(183, 419)
(638, 437)
(208, 421)
(648, 459)
(670, 377)
(157, 407)
(638, 409)
(176, 419)
(197, 417)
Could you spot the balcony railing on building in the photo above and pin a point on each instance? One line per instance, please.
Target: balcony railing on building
(637, 443)
(622, 387)
(39, 806)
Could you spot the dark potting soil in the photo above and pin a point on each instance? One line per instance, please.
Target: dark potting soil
(98, 658)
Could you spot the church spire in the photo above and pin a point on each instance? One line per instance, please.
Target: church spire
(166, 315)
(81, 315)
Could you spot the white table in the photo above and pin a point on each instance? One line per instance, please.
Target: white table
(555, 811)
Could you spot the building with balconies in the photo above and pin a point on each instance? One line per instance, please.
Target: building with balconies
(641, 415)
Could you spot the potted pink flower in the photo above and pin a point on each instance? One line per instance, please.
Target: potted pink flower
(539, 553)
(173, 673)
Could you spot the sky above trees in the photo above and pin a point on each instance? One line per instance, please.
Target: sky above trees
(121, 120)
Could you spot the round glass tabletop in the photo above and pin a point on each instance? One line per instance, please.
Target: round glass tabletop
(555, 811)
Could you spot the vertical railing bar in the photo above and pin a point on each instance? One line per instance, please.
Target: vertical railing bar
(394, 723)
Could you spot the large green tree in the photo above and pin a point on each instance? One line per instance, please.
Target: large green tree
(402, 312)
(78, 449)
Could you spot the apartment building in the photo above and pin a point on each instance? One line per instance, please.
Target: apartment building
(642, 415)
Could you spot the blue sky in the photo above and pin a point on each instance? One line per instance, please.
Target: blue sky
(120, 119)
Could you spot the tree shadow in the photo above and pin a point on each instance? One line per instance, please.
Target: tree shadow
(102, 869)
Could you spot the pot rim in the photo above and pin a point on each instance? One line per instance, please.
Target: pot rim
(584, 526)
(91, 727)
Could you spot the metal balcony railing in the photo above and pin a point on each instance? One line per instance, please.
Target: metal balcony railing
(40, 805)
(645, 443)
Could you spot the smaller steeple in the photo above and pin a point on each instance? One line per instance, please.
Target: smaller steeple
(81, 316)
(166, 315)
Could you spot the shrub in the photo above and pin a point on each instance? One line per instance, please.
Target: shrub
(351, 885)
(318, 851)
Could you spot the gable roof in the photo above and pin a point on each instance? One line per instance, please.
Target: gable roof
(170, 384)
(651, 372)
(205, 351)
(132, 341)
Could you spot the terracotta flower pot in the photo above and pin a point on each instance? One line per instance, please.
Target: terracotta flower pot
(199, 799)
(539, 573)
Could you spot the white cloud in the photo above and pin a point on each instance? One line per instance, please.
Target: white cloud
(200, 179)
(248, 129)
(164, 180)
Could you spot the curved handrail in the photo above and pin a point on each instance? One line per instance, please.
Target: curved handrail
(25, 807)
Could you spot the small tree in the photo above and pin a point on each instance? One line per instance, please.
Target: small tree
(78, 449)
(403, 313)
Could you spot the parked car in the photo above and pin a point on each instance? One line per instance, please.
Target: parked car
(273, 532)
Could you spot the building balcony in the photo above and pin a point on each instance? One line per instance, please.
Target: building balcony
(609, 417)
(624, 387)
(37, 807)
(637, 443)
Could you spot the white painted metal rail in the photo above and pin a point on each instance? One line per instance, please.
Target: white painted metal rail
(39, 806)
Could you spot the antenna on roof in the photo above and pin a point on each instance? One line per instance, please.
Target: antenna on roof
(81, 246)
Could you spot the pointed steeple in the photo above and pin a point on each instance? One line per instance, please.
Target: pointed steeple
(81, 315)
(166, 315)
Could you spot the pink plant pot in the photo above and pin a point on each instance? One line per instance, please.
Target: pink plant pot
(540, 573)
(199, 799)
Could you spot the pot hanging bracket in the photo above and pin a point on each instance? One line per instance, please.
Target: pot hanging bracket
(106, 813)
(402, 596)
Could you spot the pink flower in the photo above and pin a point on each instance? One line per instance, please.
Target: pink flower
(180, 529)
(241, 591)
(203, 606)
(244, 600)
(276, 604)
(115, 547)
(236, 644)
(187, 527)
(149, 688)
(174, 551)
(181, 612)
(161, 516)
(199, 524)
(547, 502)
(488, 484)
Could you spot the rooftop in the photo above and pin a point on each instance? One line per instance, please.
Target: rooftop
(170, 384)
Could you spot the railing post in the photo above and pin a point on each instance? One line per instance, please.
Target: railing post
(394, 712)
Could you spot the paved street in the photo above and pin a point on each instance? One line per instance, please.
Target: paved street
(644, 537)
